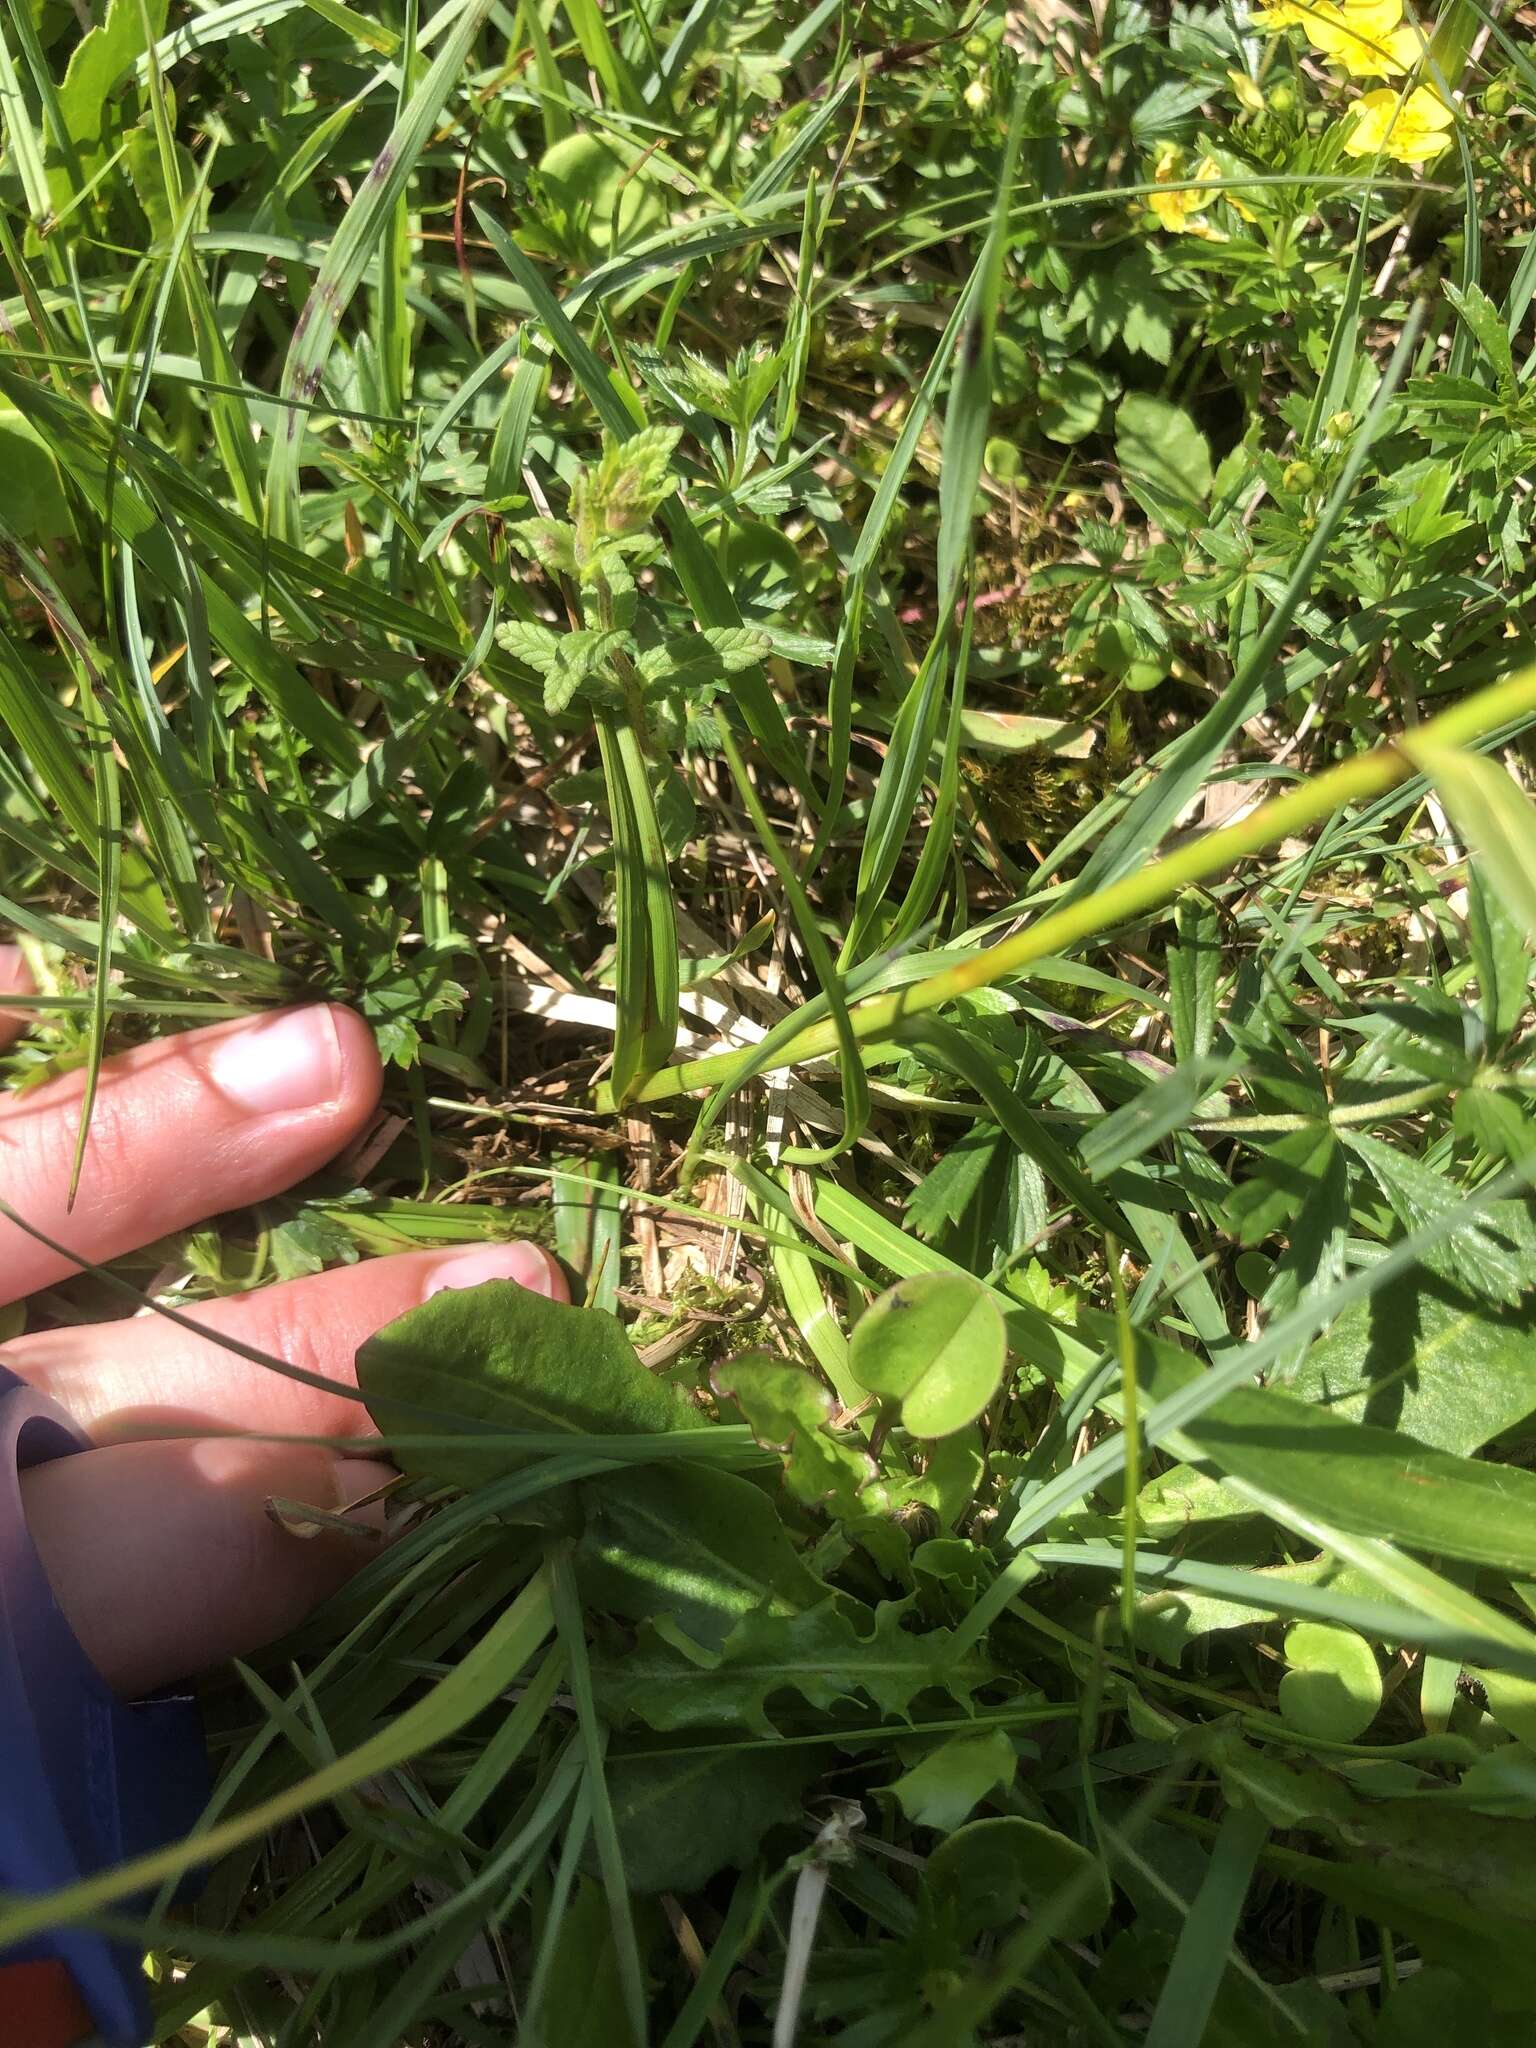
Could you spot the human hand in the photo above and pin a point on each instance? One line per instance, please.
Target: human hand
(159, 1545)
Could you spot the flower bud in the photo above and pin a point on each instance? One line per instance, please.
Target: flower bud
(1498, 96)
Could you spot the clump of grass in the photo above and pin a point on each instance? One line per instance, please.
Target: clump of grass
(887, 649)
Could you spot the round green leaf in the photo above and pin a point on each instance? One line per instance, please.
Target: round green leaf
(1254, 1273)
(1072, 402)
(606, 200)
(1003, 459)
(936, 1343)
(1333, 1688)
(1165, 457)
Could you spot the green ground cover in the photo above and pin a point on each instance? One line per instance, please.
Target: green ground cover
(890, 646)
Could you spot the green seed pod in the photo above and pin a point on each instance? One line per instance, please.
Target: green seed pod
(1298, 476)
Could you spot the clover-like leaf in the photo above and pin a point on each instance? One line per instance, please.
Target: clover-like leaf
(937, 1343)
(1333, 1686)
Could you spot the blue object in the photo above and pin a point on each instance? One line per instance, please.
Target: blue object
(86, 1779)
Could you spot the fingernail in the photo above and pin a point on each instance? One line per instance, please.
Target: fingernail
(13, 970)
(290, 1062)
(524, 1263)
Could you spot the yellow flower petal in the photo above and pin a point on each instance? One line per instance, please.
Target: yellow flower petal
(1369, 56)
(1283, 14)
(1208, 169)
(1181, 210)
(1373, 19)
(1411, 130)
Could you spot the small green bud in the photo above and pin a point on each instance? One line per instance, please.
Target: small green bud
(1003, 460)
(1340, 426)
(1298, 476)
(1498, 97)
(1282, 100)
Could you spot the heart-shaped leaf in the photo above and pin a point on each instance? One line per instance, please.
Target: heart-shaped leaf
(1333, 1688)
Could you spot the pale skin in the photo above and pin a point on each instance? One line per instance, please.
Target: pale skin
(159, 1543)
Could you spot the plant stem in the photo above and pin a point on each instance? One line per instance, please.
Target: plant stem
(1369, 775)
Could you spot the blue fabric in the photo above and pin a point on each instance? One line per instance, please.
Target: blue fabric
(87, 1780)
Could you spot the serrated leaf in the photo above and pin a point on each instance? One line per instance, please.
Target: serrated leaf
(788, 1410)
(511, 1360)
(948, 1188)
(1165, 457)
(1481, 1257)
(1151, 1115)
(738, 647)
(1147, 319)
(617, 494)
(1485, 323)
(581, 659)
(1494, 1122)
(822, 1654)
(549, 542)
(528, 642)
(1098, 303)
(1428, 1359)
(937, 1343)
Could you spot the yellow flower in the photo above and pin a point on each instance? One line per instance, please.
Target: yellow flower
(1368, 55)
(1181, 210)
(1411, 130)
(1373, 19)
(1282, 14)
(1206, 170)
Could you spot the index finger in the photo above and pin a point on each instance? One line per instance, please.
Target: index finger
(181, 1129)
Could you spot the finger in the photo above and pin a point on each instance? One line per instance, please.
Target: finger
(165, 1559)
(15, 980)
(181, 1129)
(148, 1377)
